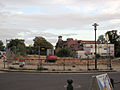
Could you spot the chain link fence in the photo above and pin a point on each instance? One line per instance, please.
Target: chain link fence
(33, 62)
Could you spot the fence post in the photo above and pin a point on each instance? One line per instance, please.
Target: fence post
(70, 87)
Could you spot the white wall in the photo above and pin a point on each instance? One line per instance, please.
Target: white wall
(102, 49)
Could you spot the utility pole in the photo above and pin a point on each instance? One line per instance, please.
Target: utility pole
(110, 66)
(108, 53)
(39, 57)
(7, 53)
(15, 55)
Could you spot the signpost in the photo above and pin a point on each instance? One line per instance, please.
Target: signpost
(104, 82)
(101, 82)
(4, 59)
(109, 52)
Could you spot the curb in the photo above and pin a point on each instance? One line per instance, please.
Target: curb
(35, 71)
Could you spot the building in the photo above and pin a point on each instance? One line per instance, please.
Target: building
(103, 50)
(83, 49)
(75, 45)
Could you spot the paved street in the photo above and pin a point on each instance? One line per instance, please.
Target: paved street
(37, 81)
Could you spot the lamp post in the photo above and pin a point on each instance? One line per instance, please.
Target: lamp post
(95, 28)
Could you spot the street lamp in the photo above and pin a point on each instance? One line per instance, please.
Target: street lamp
(95, 28)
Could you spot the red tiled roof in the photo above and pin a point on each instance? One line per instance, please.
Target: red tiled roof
(71, 42)
(89, 42)
(76, 44)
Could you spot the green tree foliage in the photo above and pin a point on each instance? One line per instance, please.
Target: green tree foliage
(113, 36)
(17, 46)
(64, 52)
(30, 49)
(41, 44)
(101, 39)
(114, 39)
(1, 46)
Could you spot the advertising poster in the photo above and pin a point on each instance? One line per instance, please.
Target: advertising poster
(87, 50)
(104, 82)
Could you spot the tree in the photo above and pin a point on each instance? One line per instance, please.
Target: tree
(114, 38)
(1, 46)
(101, 39)
(17, 46)
(41, 44)
(30, 50)
(64, 52)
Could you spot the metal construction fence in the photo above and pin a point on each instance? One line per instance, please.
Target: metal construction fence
(65, 63)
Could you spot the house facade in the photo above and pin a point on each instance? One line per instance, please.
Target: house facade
(84, 48)
(103, 50)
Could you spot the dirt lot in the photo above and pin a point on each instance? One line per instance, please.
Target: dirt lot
(32, 61)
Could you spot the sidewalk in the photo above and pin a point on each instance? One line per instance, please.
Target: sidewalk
(58, 69)
(44, 71)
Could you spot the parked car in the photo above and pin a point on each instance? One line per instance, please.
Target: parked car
(51, 59)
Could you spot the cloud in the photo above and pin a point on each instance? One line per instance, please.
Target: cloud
(50, 17)
(8, 32)
(29, 36)
(1, 6)
(60, 21)
(70, 34)
(51, 37)
(30, 2)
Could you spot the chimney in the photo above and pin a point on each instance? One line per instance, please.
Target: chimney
(59, 37)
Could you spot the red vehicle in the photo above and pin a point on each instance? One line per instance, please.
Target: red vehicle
(51, 59)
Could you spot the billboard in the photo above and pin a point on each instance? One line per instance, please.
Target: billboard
(87, 50)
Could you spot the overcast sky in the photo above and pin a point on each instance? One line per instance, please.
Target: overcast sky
(26, 19)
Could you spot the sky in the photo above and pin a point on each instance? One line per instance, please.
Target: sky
(26, 19)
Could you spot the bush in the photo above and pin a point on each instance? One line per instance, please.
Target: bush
(53, 69)
(41, 68)
(65, 52)
(12, 67)
(97, 55)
